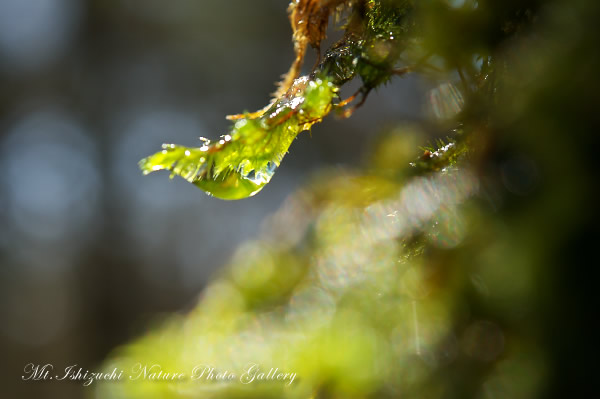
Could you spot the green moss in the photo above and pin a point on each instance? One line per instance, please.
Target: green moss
(243, 161)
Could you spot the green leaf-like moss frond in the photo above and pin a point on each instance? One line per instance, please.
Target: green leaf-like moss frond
(243, 161)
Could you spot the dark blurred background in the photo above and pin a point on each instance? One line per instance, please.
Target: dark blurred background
(92, 252)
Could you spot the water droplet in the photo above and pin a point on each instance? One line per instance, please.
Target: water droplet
(261, 176)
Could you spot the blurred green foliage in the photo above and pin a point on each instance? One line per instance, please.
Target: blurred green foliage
(426, 274)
